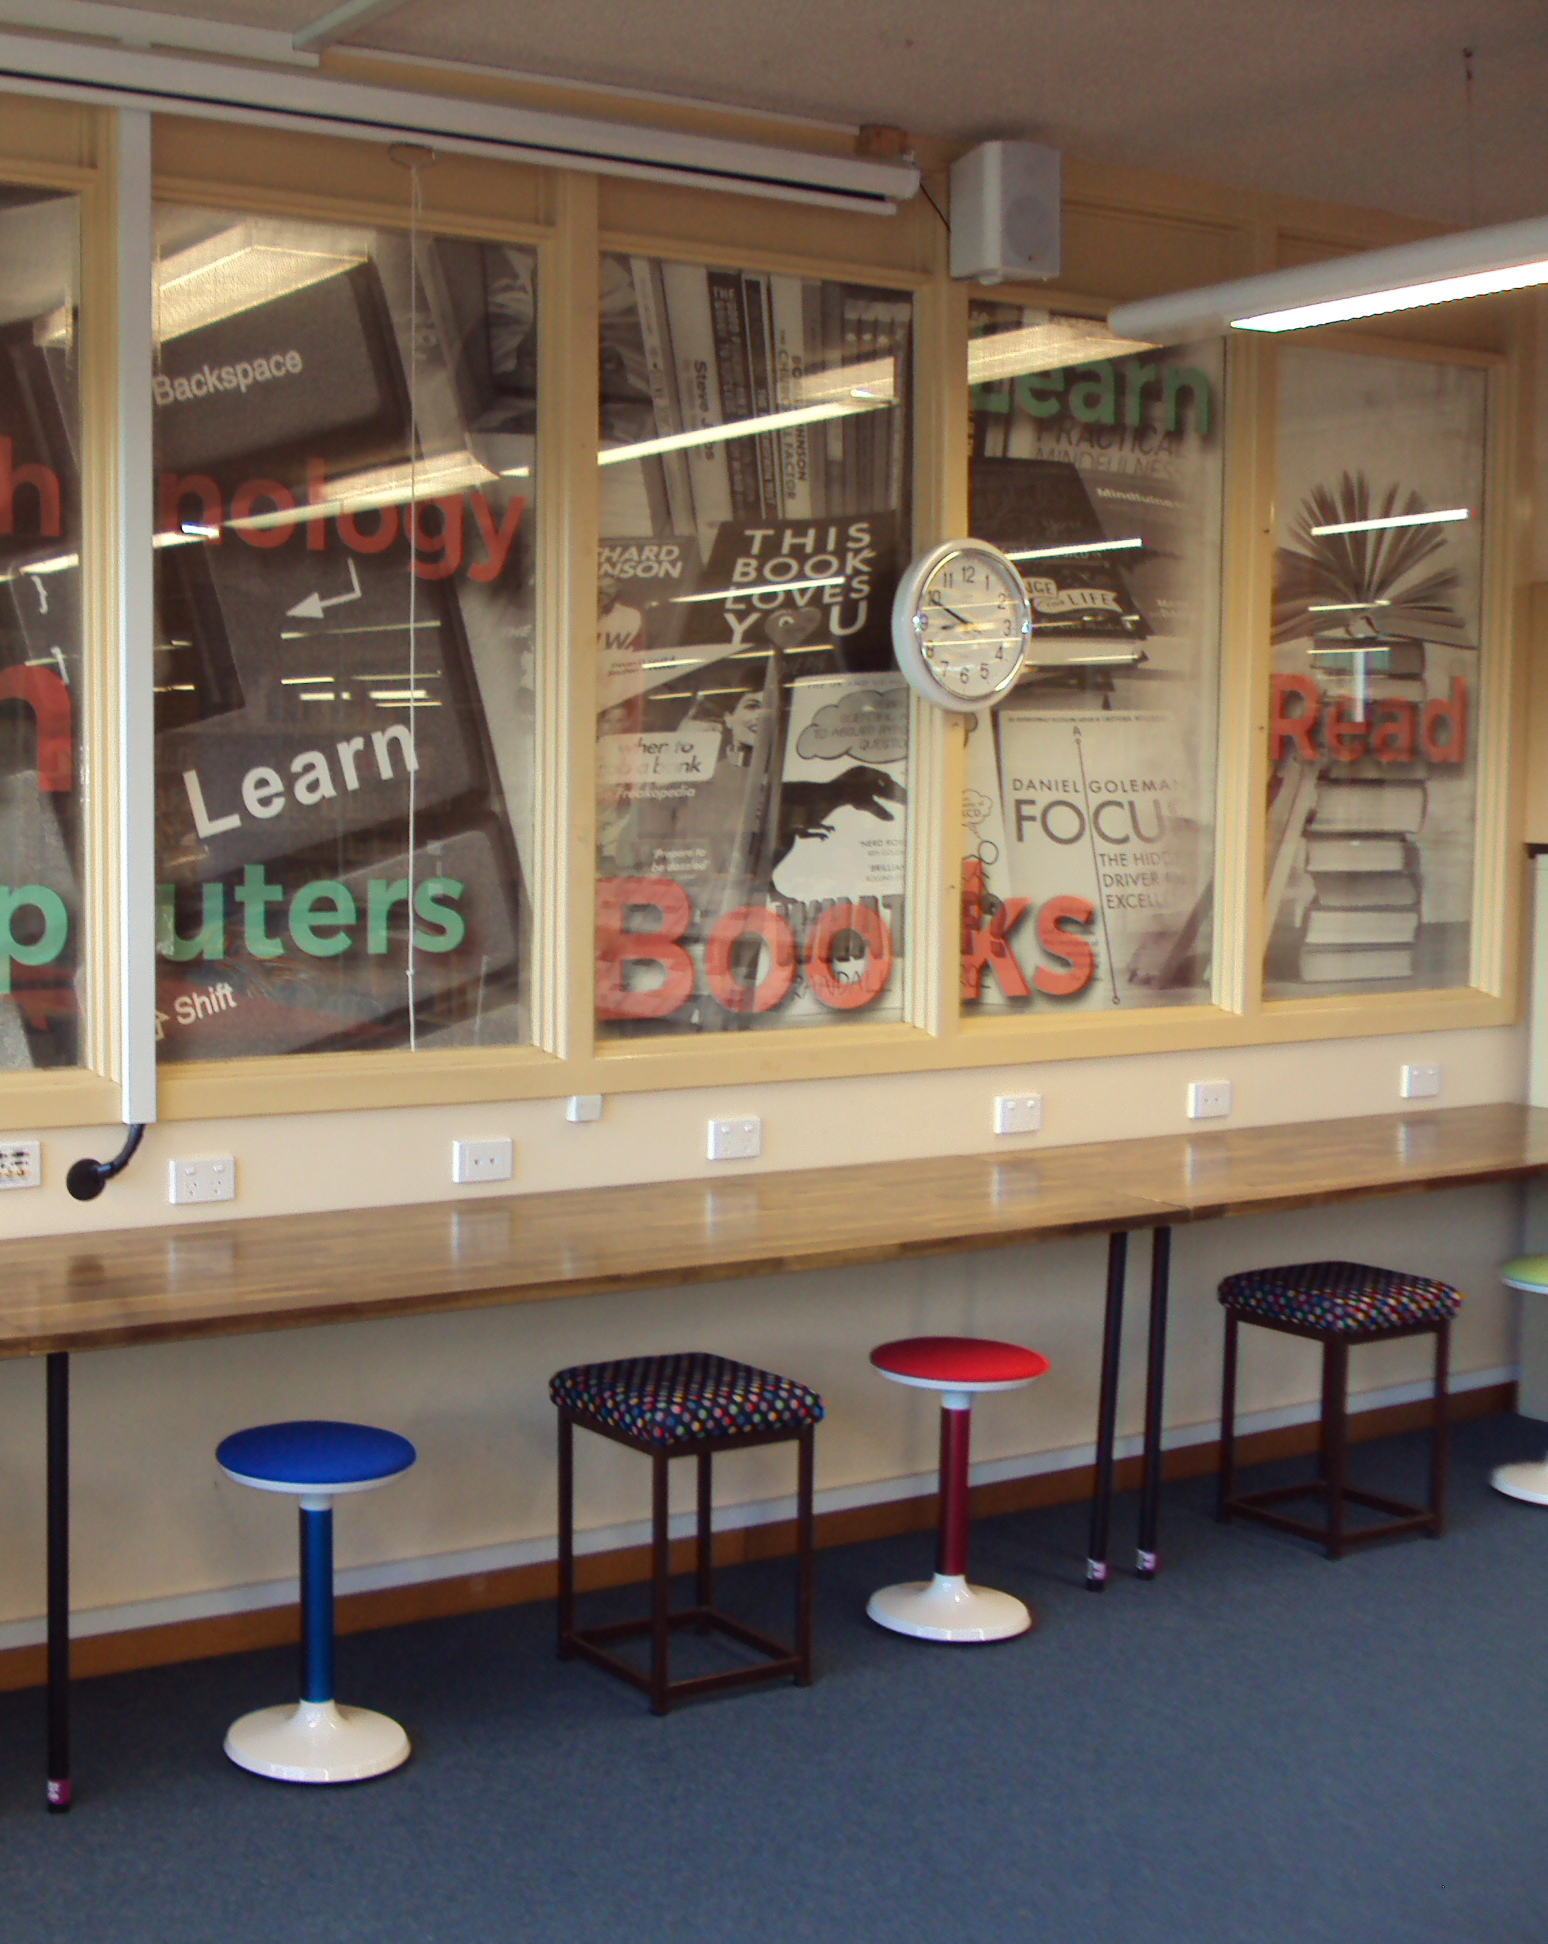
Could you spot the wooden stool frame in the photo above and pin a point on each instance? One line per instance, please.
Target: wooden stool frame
(1331, 1483)
(592, 1643)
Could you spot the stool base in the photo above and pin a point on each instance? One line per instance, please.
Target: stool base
(1527, 1481)
(316, 1741)
(947, 1608)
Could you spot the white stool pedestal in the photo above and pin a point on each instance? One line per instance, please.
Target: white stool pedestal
(317, 1741)
(1527, 1480)
(947, 1608)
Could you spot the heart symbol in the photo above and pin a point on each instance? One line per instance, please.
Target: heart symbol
(791, 626)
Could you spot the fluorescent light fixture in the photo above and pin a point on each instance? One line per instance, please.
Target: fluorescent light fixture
(1438, 270)
(761, 587)
(1046, 346)
(244, 267)
(339, 21)
(1446, 517)
(857, 401)
(1345, 607)
(438, 477)
(1088, 547)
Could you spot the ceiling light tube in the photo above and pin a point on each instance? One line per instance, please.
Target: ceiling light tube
(739, 429)
(1446, 517)
(1087, 547)
(758, 587)
(1437, 270)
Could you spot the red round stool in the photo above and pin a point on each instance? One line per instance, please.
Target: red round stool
(946, 1607)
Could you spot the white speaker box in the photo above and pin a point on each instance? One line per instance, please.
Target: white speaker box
(1006, 222)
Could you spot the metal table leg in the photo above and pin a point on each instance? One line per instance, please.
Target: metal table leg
(59, 1788)
(1107, 1413)
(1155, 1395)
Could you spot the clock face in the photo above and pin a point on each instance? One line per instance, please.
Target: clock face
(962, 625)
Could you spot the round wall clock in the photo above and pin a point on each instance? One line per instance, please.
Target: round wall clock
(962, 624)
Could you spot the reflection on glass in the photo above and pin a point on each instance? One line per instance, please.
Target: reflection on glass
(1088, 821)
(345, 438)
(1376, 602)
(753, 731)
(40, 631)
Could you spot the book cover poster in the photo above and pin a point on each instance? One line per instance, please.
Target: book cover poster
(1093, 862)
(1376, 682)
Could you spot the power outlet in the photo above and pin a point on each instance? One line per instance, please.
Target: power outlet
(483, 1160)
(735, 1140)
(203, 1181)
(1210, 1099)
(1018, 1114)
(583, 1107)
(1420, 1082)
(21, 1164)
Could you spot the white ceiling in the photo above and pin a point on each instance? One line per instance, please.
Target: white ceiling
(1357, 103)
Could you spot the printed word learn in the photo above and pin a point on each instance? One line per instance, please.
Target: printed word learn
(263, 789)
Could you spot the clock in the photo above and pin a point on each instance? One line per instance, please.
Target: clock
(962, 625)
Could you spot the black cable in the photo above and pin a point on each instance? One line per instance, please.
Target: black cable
(925, 189)
(87, 1179)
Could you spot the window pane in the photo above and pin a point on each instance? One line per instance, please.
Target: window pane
(345, 545)
(41, 800)
(1372, 812)
(753, 728)
(1089, 824)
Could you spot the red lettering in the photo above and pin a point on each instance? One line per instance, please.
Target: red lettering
(244, 502)
(872, 928)
(989, 945)
(617, 946)
(751, 921)
(316, 495)
(1452, 712)
(1346, 734)
(497, 539)
(1396, 738)
(447, 543)
(1286, 728)
(370, 543)
(48, 697)
(43, 480)
(1076, 953)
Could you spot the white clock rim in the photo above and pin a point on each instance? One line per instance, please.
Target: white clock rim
(910, 657)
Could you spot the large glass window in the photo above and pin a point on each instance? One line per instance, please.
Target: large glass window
(41, 758)
(1374, 710)
(753, 729)
(1088, 821)
(345, 457)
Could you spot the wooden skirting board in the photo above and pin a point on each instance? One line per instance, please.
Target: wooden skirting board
(239, 1633)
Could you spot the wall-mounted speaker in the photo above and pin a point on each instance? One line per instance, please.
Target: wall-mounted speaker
(1006, 222)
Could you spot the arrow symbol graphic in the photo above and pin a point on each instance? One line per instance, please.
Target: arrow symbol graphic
(311, 609)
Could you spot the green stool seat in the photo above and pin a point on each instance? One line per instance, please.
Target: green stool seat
(1527, 1480)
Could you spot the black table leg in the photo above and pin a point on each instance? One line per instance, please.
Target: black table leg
(58, 1582)
(1107, 1413)
(1155, 1396)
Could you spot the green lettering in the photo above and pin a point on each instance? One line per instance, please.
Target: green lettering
(1185, 378)
(1136, 377)
(1094, 400)
(429, 903)
(993, 397)
(56, 928)
(1031, 383)
(209, 941)
(381, 896)
(306, 920)
(255, 893)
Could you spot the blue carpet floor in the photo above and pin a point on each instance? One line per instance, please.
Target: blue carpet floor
(1260, 1748)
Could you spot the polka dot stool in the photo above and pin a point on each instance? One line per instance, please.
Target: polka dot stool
(1337, 1304)
(688, 1404)
(947, 1607)
(314, 1739)
(1528, 1480)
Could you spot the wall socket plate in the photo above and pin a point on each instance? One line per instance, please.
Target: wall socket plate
(583, 1107)
(484, 1160)
(1210, 1099)
(202, 1181)
(21, 1164)
(1018, 1114)
(736, 1140)
(1419, 1082)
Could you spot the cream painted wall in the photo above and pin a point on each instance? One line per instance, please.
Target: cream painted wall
(160, 1535)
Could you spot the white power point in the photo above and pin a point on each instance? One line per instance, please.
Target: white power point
(203, 1181)
(1018, 1113)
(483, 1160)
(583, 1107)
(1210, 1099)
(735, 1140)
(1420, 1082)
(21, 1164)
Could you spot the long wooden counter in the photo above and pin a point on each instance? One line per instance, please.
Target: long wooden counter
(198, 1279)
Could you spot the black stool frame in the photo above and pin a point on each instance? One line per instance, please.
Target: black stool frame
(1331, 1483)
(592, 1643)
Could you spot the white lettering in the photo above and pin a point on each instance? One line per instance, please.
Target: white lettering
(204, 824)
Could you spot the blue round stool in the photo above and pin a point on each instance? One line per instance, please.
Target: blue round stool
(315, 1740)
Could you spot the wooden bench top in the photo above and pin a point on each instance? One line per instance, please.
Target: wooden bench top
(226, 1278)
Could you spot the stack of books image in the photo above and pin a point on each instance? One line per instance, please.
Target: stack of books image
(1365, 917)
